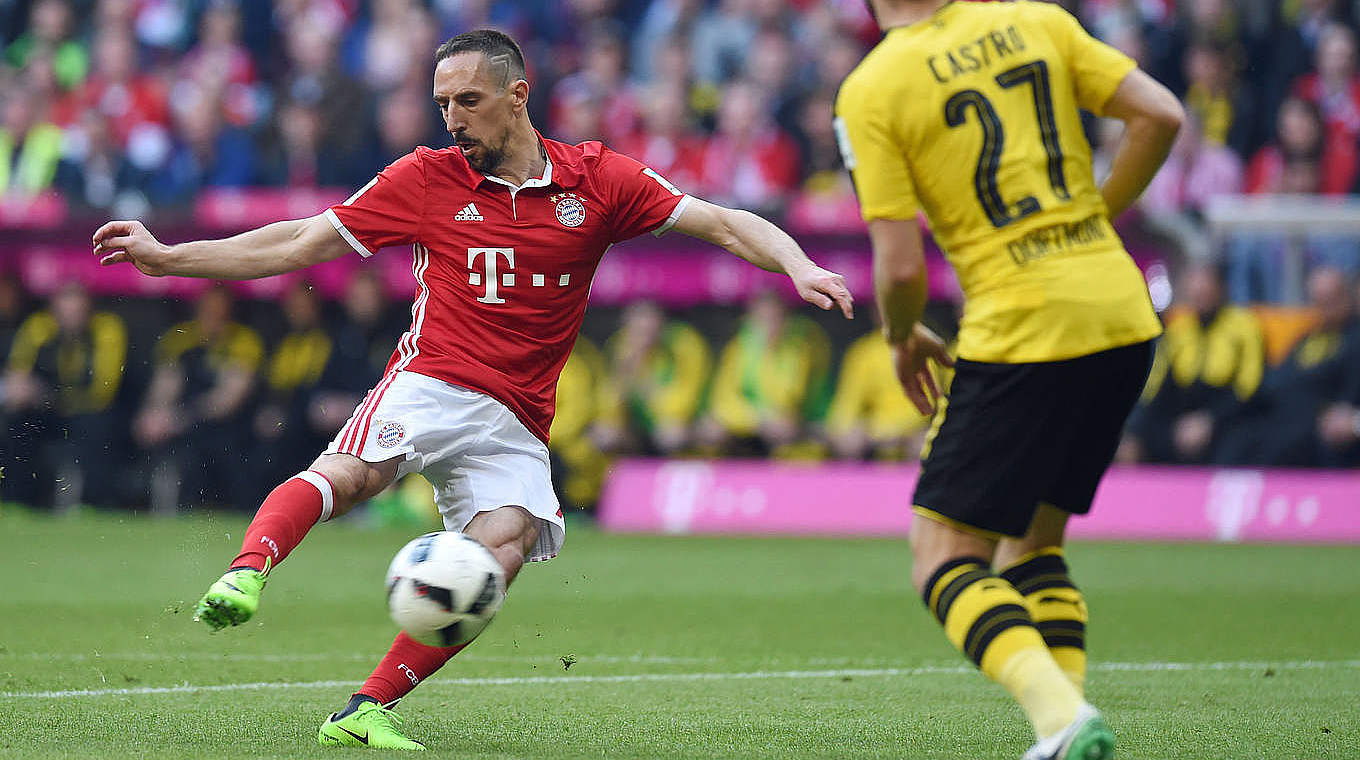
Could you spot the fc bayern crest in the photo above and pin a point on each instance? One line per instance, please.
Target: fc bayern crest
(570, 211)
(390, 434)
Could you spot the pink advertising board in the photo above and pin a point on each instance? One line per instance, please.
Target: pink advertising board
(676, 276)
(1195, 504)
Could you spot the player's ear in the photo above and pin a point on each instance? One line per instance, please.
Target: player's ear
(519, 93)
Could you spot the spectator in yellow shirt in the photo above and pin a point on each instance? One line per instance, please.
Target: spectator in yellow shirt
(772, 380)
(1282, 426)
(1208, 366)
(284, 430)
(870, 415)
(658, 375)
(578, 464)
(64, 372)
(194, 421)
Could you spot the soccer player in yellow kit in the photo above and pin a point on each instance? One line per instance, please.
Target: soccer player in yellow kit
(970, 113)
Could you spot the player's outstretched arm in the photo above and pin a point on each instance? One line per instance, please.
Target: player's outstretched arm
(900, 287)
(273, 249)
(756, 240)
(1152, 116)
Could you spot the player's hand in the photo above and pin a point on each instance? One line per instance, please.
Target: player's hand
(912, 359)
(824, 289)
(131, 242)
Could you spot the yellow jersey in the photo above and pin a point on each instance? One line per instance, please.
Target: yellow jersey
(972, 116)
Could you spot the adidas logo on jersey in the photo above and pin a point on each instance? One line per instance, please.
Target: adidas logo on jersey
(468, 214)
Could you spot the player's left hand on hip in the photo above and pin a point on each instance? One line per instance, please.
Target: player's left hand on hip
(824, 289)
(912, 359)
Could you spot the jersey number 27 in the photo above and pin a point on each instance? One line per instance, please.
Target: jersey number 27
(1034, 74)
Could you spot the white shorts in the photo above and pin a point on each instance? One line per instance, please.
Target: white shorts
(474, 450)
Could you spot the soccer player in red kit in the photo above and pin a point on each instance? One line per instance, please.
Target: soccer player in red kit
(507, 228)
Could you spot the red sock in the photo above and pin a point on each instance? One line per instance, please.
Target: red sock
(407, 663)
(288, 512)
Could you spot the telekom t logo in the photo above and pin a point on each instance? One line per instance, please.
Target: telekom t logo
(494, 278)
(497, 278)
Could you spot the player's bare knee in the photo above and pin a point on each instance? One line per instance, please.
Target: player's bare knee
(353, 479)
(509, 532)
(374, 480)
(934, 543)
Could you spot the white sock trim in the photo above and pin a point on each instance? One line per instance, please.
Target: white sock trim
(327, 493)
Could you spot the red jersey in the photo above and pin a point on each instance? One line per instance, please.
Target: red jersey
(503, 272)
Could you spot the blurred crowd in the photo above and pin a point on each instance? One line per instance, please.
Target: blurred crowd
(137, 107)
(131, 107)
(1215, 397)
(144, 403)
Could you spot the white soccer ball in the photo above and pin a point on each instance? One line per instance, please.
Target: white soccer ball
(443, 588)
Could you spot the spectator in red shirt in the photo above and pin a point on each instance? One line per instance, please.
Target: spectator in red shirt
(220, 62)
(578, 113)
(1296, 164)
(1335, 89)
(748, 161)
(1298, 135)
(667, 141)
(133, 102)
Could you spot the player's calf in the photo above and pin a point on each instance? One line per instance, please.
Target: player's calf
(510, 533)
(986, 619)
(1057, 606)
(333, 485)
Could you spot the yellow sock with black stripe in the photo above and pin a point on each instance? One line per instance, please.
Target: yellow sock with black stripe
(985, 617)
(1057, 607)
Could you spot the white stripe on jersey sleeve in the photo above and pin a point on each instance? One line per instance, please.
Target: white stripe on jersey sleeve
(675, 216)
(347, 235)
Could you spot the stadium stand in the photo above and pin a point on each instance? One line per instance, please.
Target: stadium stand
(209, 117)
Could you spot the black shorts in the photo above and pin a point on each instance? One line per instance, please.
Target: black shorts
(1018, 435)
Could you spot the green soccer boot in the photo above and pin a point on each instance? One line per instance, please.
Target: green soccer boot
(371, 725)
(1088, 737)
(233, 599)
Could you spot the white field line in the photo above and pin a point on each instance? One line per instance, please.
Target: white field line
(637, 659)
(1123, 667)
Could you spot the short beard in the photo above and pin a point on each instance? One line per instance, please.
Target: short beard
(492, 157)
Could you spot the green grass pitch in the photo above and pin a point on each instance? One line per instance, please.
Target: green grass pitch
(679, 648)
